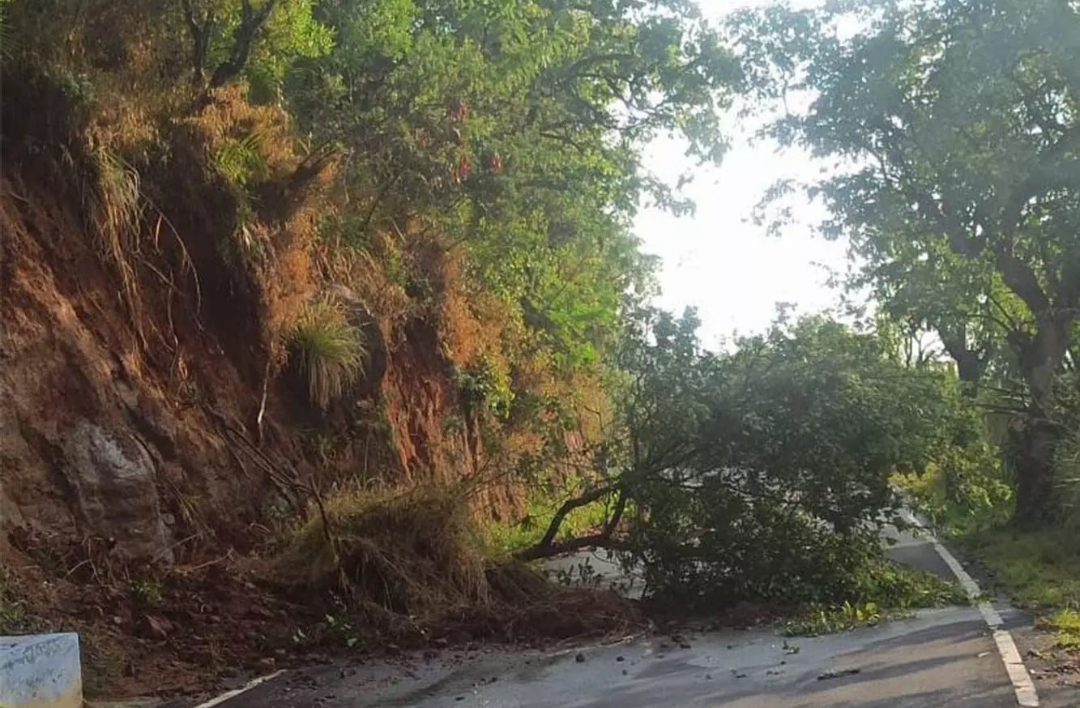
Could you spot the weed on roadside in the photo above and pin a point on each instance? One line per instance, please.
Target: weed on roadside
(889, 590)
(146, 592)
(824, 620)
(1066, 627)
(13, 617)
(1039, 571)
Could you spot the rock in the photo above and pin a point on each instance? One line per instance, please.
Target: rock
(115, 485)
(10, 514)
(154, 627)
(620, 658)
(41, 670)
(580, 658)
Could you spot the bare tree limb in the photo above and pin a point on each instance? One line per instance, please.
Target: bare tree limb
(597, 540)
(568, 506)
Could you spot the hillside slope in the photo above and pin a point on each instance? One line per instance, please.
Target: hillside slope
(306, 304)
(155, 452)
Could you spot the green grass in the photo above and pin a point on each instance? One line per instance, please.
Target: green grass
(13, 617)
(1039, 571)
(1066, 626)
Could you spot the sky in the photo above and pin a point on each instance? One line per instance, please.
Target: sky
(717, 260)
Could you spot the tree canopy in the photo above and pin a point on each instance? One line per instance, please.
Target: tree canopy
(954, 129)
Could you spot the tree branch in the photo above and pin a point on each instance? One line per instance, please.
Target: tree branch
(200, 40)
(597, 540)
(1021, 280)
(244, 39)
(568, 506)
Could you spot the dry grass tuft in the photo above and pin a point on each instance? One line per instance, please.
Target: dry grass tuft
(117, 206)
(411, 552)
(243, 142)
(247, 155)
(418, 569)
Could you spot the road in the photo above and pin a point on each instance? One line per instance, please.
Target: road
(945, 658)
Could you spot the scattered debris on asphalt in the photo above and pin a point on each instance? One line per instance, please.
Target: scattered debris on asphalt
(838, 673)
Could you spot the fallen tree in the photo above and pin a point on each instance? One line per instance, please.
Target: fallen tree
(762, 474)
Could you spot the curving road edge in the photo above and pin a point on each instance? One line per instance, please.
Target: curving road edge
(1023, 686)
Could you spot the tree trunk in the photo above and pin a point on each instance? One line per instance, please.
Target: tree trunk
(1034, 445)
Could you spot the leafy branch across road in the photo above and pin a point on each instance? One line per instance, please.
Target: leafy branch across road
(761, 475)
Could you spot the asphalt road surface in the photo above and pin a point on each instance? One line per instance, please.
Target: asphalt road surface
(943, 658)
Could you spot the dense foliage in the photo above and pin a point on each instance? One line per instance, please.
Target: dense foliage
(764, 473)
(953, 126)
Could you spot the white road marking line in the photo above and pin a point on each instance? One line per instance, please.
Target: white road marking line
(237, 691)
(1023, 686)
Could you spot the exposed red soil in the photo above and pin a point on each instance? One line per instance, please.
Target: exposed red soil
(160, 571)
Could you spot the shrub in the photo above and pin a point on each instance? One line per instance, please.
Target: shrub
(963, 491)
